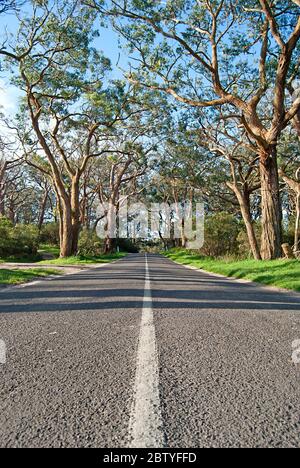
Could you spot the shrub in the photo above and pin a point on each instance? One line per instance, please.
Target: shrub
(50, 234)
(221, 235)
(89, 243)
(20, 240)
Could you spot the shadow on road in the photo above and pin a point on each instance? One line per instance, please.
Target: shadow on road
(121, 286)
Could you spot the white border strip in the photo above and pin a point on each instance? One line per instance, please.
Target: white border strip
(146, 427)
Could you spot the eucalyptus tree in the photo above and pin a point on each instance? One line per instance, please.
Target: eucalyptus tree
(224, 140)
(117, 184)
(221, 53)
(3, 169)
(182, 171)
(70, 108)
(122, 174)
(8, 163)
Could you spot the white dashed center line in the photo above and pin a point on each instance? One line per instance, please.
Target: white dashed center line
(146, 427)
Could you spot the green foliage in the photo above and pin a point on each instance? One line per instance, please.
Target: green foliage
(50, 234)
(221, 235)
(89, 243)
(17, 240)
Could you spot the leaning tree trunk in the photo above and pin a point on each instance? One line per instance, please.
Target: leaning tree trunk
(297, 225)
(43, 211)
(75, 211)
(2, 202)
(244, 203)
(2, 188)
(271, 207)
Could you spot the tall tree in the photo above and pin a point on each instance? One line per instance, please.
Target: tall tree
(211, 53)
(72, 114)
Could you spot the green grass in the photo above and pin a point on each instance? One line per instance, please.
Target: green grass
(280, 273)
(24, 259)
(84, 260)
(22, 276)
(49, 249)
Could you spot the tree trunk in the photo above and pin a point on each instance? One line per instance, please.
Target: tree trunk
(109, 245)
(69, 222)
(2, 189)
(75, 210)
(271, 206)
(244, 203)
(2, 205)
(183, 239)
(110, 226)
(66, 240)
(297, 225)
(42, 211)
(11, 212)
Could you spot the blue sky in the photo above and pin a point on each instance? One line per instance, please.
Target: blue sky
(107, 42)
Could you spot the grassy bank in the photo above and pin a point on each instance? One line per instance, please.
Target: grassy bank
(23, 276)
(84, 260)
(280, 273)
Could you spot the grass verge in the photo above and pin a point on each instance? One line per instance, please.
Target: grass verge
(84, 260)
(23, 276)
(280, 273)
(24, 259)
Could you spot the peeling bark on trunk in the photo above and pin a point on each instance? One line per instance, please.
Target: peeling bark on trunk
(271, 207)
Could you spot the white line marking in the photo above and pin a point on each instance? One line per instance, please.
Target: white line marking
(145, 427)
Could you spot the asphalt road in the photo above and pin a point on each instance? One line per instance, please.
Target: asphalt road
(128, 355)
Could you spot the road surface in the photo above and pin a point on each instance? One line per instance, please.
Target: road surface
(144, 352)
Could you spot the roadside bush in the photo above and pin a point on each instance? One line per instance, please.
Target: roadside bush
(221, 235)
(50, 234)
(89, 243)
(20, 240)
